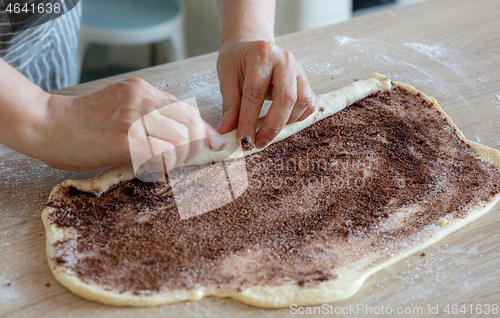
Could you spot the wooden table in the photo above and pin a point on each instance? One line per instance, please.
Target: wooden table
(449, 49)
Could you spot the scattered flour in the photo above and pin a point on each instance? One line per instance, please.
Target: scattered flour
(428, 67)
(449, 58)
(496, 100)
(8, 290)
(343, 40)
(25, 184)
(431, 51)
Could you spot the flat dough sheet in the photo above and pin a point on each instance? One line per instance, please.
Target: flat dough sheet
(349, 278)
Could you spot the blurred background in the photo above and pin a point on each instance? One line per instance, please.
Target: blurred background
(151, 32)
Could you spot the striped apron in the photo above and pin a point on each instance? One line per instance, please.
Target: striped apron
(46, 54)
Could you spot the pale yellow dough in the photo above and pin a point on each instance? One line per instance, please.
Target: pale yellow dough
(348, 281)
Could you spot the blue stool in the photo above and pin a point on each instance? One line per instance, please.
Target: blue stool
(132, 22)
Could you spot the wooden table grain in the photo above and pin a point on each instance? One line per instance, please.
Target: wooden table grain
(449, 49)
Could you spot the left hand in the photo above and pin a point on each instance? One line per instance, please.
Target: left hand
(249, 71)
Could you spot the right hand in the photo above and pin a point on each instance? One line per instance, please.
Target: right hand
(92, 131)
(249, 70)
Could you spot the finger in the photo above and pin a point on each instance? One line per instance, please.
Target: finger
(146, 90)
(231, 101)
(306, 100)
(138, 142)
(135, 81)
(171, 131)
(284, 98)
(269, 94)
(214, 139)
(309, 110)
(255, 86)
(167, 158)
(164, 95)
(190, 117)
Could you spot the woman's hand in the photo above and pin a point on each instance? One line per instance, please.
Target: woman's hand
(92, 131)
(248, 71)
(251, 66)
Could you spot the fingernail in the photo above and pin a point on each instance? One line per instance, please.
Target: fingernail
(247, 143)
(217, 142)
(262, 142)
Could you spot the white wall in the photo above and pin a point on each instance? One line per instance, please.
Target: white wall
(298, 15)
(202, 26)
(203, 23)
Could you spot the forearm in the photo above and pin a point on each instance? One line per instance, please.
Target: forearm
(250, 20)
(22, 107)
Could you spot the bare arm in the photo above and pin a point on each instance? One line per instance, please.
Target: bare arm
(22, 105)
(250, 20)
(92, 131)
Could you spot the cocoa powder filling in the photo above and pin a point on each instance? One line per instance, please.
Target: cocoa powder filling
(336, 181)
